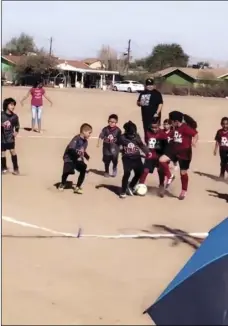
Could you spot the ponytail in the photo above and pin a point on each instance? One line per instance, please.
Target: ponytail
(190, 121)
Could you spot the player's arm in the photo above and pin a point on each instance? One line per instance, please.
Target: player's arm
(192, 133)
(195, 139)
(100, 137)
(16, 126)
(72, 149)
(217, 142)
(25, 97)
(139, 100)
(140, 144)
(86, 155)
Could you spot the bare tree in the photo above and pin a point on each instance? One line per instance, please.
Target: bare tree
(109, 58)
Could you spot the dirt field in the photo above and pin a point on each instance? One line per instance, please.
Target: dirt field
(96, 281)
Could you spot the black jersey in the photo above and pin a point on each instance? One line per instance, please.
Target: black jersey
(132, 147)
(9, 125)
(76, 150)
(110, 137)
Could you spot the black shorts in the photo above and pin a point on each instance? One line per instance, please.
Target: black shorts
(150, 165)
(7, 146)
(223, 157)
(184, 158)
(130, 164)
(69, 168)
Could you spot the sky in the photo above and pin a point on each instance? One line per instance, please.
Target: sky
(80, 28)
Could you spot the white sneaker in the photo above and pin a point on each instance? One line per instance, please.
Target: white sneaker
(169, 181)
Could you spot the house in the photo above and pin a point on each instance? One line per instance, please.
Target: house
(190, 76)
(7, 67)
(94, 63)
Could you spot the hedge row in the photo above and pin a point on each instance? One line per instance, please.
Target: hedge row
(204, 91)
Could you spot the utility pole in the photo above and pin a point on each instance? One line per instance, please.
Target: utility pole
(50, 49)
(128, 56)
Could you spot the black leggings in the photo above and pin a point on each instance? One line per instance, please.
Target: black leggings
(69, 168)
(223, 162)
(130, 165)
(107, 159)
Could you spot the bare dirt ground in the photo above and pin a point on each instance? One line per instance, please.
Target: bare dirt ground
(96, 281)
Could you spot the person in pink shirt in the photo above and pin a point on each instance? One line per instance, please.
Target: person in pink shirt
(37, 93)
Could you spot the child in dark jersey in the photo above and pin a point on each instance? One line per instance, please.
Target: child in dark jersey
(156, 140)
(221, 139)
(180, 149)
(74, 158)
(9, 129)
(168, 129)
(110, 136)
(131, 144)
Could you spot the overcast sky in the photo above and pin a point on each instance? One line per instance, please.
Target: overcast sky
(80, 28)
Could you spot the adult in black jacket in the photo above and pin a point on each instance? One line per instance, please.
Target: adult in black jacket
(151, 102)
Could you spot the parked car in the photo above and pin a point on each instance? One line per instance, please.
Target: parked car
(129, 86)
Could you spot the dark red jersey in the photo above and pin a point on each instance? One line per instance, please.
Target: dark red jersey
(170, 134)
(222, 139)
(182, 138)
(156, 142)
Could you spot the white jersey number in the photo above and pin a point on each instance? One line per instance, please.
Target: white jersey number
(224, 141)
(177, 137)
(152, 143)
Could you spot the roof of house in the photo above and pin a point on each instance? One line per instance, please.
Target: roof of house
(90, 61)
(12, 58)
(195, 73)
(75, 63)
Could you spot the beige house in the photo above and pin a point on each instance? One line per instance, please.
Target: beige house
(94, 63)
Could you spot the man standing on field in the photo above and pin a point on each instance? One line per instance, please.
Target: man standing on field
(151, 102)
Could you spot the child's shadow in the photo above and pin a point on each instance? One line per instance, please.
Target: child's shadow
(114, 189)
(97, 172)
(152, 190)
(69, 185)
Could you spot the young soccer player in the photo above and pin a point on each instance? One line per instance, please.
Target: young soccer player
(131, 144)
(156, 140)
(168, 129)
(74, 158)
(180, 149)
(110, 136)
(221, 139)
(9, 129)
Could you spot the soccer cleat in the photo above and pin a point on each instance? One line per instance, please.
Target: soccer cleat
(78, 190)
(130, 191)
(123, 195)
(61, 187)
(161, 191)
(16, 172)
(182, 195)
(169, 181)
(5, 171)
(114, 173)
(106, 175)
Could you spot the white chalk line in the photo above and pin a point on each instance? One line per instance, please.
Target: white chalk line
(94, 137)
(101, 236)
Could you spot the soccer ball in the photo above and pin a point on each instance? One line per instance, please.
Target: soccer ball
(141, 189)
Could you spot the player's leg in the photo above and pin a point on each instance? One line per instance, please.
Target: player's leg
(81, 167)
(127, 167)
(39, 117)
(68, 169)
(184, 167)
(138, 170)
(148, 167)
(3, 158)
(164, 166)
(107, 160)
(115, 163)
(33, 109)
(14, 159)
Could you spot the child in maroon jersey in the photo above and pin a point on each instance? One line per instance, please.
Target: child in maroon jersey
(180, 149)
(156, 140)
(221, 139)
(168, 129)
(110, 136)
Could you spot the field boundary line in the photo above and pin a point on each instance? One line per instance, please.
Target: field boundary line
(79, 234)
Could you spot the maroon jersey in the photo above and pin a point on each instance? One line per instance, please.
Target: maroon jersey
(182, 138)
(156, 142)
(170, 134)
(222, 139)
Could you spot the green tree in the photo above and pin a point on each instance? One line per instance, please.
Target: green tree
(166, 55)
(41, 63)
(20, 45)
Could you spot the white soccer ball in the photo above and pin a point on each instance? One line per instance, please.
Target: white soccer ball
(141, 189)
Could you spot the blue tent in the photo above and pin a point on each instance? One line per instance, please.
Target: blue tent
(199, 293)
